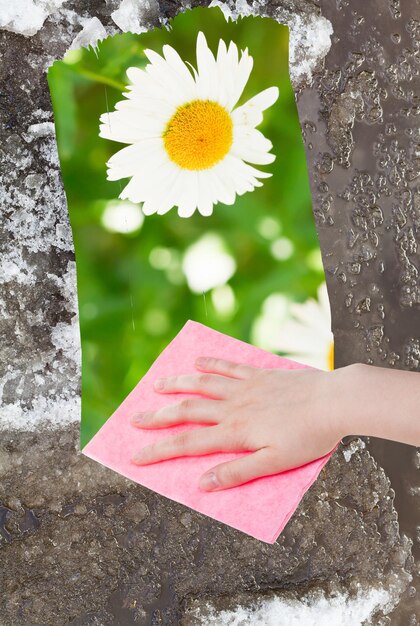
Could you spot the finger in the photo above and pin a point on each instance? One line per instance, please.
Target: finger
(208, 384)
(188, 410)
(239, 471)
(226, 368)
(187, 443)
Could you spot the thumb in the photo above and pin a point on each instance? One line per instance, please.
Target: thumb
(239, 471)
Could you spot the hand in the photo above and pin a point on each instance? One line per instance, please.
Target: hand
(283, 417)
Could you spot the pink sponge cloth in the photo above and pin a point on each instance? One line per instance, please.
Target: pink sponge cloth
(262, 507)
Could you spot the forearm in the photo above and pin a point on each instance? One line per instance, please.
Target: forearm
(378, 402)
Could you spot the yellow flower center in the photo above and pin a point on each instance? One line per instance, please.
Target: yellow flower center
(198, 135)
(331, 357)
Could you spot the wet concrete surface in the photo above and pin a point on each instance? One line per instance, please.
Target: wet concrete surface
(361, 133)
(81, 545)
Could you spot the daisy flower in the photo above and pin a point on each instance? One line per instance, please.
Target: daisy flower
(190, 146)
(299, 331)
(306, 335)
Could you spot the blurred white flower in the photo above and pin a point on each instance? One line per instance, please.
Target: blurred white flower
(302, 332)
(122, 217)
(189, 146)
(207, 263)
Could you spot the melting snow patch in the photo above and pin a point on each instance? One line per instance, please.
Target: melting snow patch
(43, 129)
(354, 446)
(134, 16)
(26, 17)
(310, 41)
(314, 610)
(50, 408)
(92, 32)
(45, 413)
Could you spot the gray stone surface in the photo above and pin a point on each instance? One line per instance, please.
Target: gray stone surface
(81, 545)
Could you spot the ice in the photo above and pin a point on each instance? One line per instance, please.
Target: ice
(92, 32)
(352, 448)
(42, 129)
(26, 17)
(316, 609)
(310, 41)
(135, 16)
(39, 377)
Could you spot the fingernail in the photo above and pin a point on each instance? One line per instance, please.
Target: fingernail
(209, 482)
(137, 418)
(201, 361)
(159, 383)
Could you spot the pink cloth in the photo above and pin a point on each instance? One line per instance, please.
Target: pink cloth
(261, 508)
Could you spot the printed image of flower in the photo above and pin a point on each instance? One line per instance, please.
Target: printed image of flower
(189, 146)
(183, 141)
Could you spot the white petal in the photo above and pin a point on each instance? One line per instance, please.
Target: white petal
(165, 198)
(129, 160)
(250, 113)
(227, 64)
(135, 74)
(179, 67)
(149, 208)
(293, 337)
(208, 78)
(189, 199)
(252, 171)
(165, 76)
(251, 145)
(243, 175)
(244, 178)
(223, 183)
(224, 79)
(324, 302)
(317, 360)
(241, 77)
(133, 190)
(205, 203)
(228, 69)
(311, 316)
(179, 185)
(221, 53)
(146, 106)
(151, 82)
(144, 186)
(128, 128)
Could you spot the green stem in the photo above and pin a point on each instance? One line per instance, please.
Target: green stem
(98, 78)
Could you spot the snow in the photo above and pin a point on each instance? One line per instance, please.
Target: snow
(36, 218)
(310, 41)
(316, 609)
(133, 15)
(41, 129)
(92, 32)
(48, 411)
(354, 446)
(26, 17)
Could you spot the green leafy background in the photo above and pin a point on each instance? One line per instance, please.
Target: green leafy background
(131, 305)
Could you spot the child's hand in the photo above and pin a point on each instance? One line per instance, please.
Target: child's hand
(285, 417)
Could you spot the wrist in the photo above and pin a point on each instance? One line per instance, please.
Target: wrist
(346, 399)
